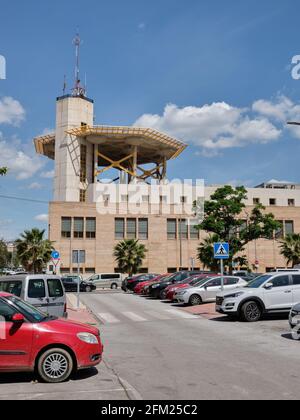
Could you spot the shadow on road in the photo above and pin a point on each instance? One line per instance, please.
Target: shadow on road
(25, 377)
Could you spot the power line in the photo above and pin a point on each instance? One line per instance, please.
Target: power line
(30, 200)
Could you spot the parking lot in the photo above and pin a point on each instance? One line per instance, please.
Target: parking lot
(158, 350)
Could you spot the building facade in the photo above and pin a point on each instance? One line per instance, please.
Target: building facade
(96, 168)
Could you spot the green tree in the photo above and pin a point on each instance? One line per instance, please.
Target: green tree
(290, 249)
(225, 216)
(4, 254)
(206, 253)
(33, 251)
(130, 255)
(3, 171)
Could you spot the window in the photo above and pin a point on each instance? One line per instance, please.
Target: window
(214, 283)
(83, 153)
(256, 201)
(230, 281)
(172, 270)
(183, 200)
(110, 277)
(119, 228)
(291, 202)
(75, 270)
(131, 228)
(143, 229)
(90, 228)
(78, 227)
(296, 280)
(281, 281)
(279, 232)
(90, 270)
(172, 229)
(289, 227)
(272, 201)
(65, 270)
(55, 288)
(12, 287)
(82, 196)
(183, 229)
(194, 233)
(66, 227)
(6, 312)
(36, 289)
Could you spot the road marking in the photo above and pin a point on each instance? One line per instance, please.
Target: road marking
(109, 318)
(134, 317)
(157, 315)
(180, 314)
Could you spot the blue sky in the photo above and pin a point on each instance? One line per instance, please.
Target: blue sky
(224, 66)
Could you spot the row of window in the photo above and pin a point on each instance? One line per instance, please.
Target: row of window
(80, 226)
(273, 202)
(131, 228)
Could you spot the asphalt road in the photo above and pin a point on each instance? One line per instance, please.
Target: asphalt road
(165, 353)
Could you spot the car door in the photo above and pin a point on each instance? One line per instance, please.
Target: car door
(280, 296)
(231, 283)
(36, 294)
(296, 288)
(57, 298)
(211, 289)
(15, 340)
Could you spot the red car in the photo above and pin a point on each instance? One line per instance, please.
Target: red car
(33, 341)
(191, 281)
(139, 287)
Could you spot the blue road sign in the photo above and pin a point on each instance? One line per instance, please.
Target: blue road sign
(55, 255)
(221, 251)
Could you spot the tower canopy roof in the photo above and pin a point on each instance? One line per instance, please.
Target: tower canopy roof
(115, 141)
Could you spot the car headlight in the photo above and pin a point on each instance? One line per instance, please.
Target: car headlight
(88, 338)
(182, 293)
(234, 295)
(155, 286)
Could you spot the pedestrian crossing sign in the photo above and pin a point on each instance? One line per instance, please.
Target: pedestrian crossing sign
(221, 251)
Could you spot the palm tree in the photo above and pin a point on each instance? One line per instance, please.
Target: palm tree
(3, 171)
(33, 251)
(206, 253)
(130, 255)
(290, 249)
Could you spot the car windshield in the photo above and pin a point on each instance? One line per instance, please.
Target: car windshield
(259, 281)
(28, 310)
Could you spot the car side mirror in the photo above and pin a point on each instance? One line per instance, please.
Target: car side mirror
(18, 319)
(269, 286)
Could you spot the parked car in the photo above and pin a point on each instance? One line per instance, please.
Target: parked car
(269, 293)
(139, 287)
(106, 281)
(44, 292)
(156, 290)
(71, 284)
(51, 346)
(130, 282)
(294, 317)
(207, 290)
(193, 281)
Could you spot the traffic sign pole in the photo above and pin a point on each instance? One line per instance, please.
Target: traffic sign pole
(222, 275)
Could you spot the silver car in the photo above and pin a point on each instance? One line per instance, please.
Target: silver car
(44, 292)
(107, 281)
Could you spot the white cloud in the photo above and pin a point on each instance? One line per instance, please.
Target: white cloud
(35, 186)
(213, 127)
(42, 218)
(11, 111)
(21, 164)
(142, 26)
(48, 174)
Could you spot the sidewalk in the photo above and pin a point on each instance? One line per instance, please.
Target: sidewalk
(207, 311)
(79, 315)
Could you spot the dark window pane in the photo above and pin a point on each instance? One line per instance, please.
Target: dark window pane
(6, 312)
(55, 288)
(131, 228)
(90, 227)
(119, 228)
(143, 229)
(289, 227)
(78, 227)
(281, 281)
(172, 228)
(36, 289)
(66, 226)
(296, 280)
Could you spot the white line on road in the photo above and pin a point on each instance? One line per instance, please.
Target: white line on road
(157, 315)
(134, 317)
(180, 314)
(109, 318)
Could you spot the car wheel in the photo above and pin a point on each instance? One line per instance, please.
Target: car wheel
(162, 295)
(55, 365)
(114, 286)
(251, 312)
(88, 289)
(195, 300)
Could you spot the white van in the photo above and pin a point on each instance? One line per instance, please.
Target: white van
(107, 281)
(46, 293)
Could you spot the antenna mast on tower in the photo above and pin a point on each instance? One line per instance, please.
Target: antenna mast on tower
(78, 90)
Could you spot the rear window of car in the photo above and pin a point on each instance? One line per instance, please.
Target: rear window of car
(55, 288)
(12, 287)
(229, 281)
(296, 280)
(36, 289)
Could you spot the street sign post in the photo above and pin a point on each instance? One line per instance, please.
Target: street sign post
(78, 258)
(55, 256)
(221, 252)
